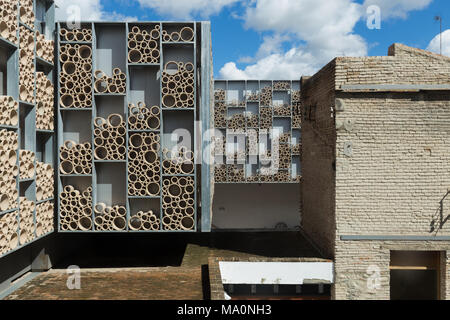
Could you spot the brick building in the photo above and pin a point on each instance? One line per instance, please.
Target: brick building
(376, 180)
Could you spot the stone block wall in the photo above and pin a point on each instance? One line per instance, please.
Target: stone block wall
(378, 166)
(358, 264)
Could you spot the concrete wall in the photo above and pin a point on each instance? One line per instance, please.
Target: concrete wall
(254, 206)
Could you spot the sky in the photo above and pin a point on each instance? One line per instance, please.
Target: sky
(284, 39)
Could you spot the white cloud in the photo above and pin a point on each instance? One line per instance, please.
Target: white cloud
(185, 9)
(325, 28)
(397, 8)
(271, 44)
(434, 45)
(289, 65)
(90, 10)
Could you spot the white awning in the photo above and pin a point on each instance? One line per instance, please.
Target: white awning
(291, 273)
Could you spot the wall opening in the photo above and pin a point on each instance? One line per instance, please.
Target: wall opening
(415, 275)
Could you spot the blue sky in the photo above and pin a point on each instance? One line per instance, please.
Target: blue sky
(286, 38)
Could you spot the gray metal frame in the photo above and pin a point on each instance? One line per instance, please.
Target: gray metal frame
(29, 136)
(294, 85)
(202, 90)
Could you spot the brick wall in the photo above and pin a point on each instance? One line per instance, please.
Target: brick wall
(357, 261)
(408, 66)
(318, 148)
(392, 164)
(398, 173)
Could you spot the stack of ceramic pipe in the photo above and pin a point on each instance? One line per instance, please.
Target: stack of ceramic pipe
(275, 157)
(220, 115)
(296, 110)
(75, 77)
(115, 84)
(266, 96)
(26, 221)
(75, 158)
(296, 121)
(267, 168)
(253, 178)
(44, 181)
(281, 85)
(295, 95)
(237, 153)
(285, 137)
(109, 138)
(219, 145)
(44, 218)
(266, 119)
(26, 12)
(220, 173)
(296, 149)
(44, 102)
(184, 34)
(26, 164)
(9, 227)
(235, 173)
(144, 221)
(144, 164)
(236, 121)
(143, 46)
(178, 203)
(143, 118)
(267, 174)
(45, 48)
(178, 162)
(283, 159)
(282, 176)
(253, 97)
(76, 35)
(9, 170)
(219, 95)
(252, 119)
(26, 65)
(178, 85)
(75, 209)
(282, 110)
(9, 111)
(8, 20)
(252, 142)
(110, 218)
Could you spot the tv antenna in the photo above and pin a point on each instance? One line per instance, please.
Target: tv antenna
(439, 18)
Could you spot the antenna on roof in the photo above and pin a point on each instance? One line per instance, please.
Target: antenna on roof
(439, 18)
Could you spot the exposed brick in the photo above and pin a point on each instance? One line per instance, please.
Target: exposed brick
(393, 181)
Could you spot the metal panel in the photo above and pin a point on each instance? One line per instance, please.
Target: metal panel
(206, 101)
(110, 50)
(41, 142)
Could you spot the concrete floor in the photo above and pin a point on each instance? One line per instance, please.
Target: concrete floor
(157, 275)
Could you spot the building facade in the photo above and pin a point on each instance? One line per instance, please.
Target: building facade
(375, 177)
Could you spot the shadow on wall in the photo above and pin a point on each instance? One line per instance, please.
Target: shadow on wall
(256, 206)
(438, 221)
